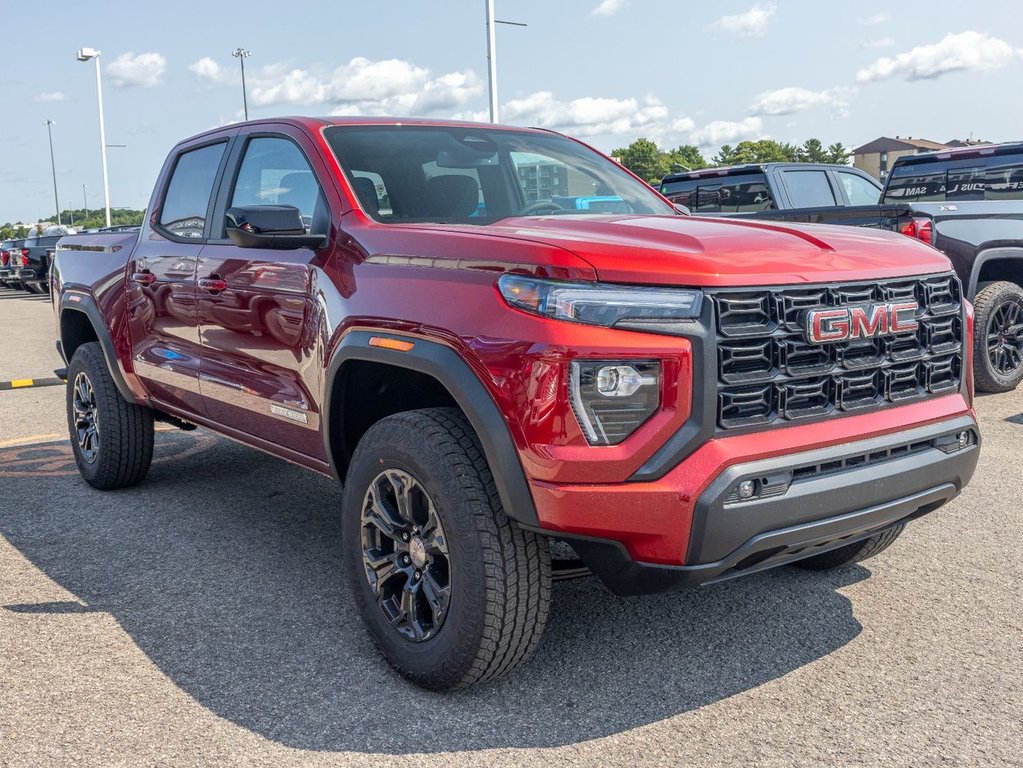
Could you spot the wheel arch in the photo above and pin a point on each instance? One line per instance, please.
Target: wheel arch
(996, 264)
(439, 376)
(81, 323)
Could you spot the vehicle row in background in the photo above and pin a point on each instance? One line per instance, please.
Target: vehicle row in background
(967, 203)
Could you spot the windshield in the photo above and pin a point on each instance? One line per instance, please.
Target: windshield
(998, 177)
(478, 175)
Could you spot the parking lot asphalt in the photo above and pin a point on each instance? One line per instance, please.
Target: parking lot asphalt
(201, 618)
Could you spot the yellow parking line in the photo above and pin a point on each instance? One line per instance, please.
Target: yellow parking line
(15, 441)
(16, 383)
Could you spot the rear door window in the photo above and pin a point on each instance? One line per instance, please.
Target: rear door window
(187, 199)
(809, 189)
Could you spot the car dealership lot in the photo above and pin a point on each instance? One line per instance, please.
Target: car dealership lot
(201, 617)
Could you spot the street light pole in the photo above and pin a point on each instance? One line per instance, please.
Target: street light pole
(53, 168)
(85, 201)
(241, 54)
(492, 59)
(84, 54)
(492, 55)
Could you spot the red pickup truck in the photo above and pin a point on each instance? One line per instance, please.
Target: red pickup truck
(405, 305)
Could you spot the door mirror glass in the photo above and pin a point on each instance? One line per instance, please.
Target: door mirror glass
(279, 227)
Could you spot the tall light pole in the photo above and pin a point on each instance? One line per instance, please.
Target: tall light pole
(241, 54)
(53, 167)
(84, 54)
(85, 202)
(492, 55)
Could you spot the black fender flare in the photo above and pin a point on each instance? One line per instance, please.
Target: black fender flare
(991, 254)
(76, 301)
(446, 366)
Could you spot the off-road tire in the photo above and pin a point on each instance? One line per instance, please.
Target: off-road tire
(500, 574)
(125, 448)
(852, 553)
(989, 299)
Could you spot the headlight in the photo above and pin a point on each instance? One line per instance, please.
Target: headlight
(657, 310)
(612, 399)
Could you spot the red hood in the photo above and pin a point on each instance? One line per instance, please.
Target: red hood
(685, 250)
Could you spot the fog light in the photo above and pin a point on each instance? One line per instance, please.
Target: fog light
(612, 399)
(746, 489)
(621, 381)
(963, 438)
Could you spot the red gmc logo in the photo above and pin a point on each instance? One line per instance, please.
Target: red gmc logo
(828, 325)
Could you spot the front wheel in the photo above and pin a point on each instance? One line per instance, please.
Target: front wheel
(112, 439)
(998, 337)
(852, 553)
(452, 591)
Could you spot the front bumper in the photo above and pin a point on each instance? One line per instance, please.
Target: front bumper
(810, 502)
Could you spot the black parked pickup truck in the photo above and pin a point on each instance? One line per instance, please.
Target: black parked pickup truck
(968, 203)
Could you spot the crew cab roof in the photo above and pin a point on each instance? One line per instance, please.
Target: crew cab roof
(960, 153)
(736, 170)
(314, 124)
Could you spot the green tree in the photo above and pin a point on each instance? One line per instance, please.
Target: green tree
(838, 154)
(812, 151)
(643, 158)
(760, 151)
(685, 158)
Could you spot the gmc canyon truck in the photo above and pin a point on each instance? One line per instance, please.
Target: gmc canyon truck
(681, 400)
(966, 202)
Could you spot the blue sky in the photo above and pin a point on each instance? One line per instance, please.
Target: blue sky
(605, 70)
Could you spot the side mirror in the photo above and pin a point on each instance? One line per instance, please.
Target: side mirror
(279, 227)
(682, 210)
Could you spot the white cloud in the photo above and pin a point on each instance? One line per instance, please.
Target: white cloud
(723, 132)
(144, 70)
(586, 116)
(881, 42)
(878, 18)
(785, 101)
(752, 23)
(49, 96)
(609, 7)
(360, 87)
(965, 51)
(207, 69)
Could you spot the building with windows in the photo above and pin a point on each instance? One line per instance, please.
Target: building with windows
(878, 156)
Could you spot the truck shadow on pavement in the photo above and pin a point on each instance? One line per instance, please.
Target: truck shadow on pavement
(224, 568)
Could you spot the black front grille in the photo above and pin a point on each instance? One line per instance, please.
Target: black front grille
(768, 373)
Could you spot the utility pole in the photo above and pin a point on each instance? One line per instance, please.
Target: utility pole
(492, 55)
(241, 54)
(53, 167)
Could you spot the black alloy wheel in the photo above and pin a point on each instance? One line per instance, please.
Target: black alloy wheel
(405, 555)
(86, 418)
(1005, 338)
(998, 336)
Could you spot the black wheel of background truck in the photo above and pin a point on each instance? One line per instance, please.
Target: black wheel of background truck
(112, 439)
(452, 591)
(851, 553)
(998, 336)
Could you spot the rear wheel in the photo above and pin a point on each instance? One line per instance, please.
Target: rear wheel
(851, 553)
(452, 591)
(998, 336)
(112, 439)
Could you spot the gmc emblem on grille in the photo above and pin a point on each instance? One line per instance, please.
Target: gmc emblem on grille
(824, 326)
